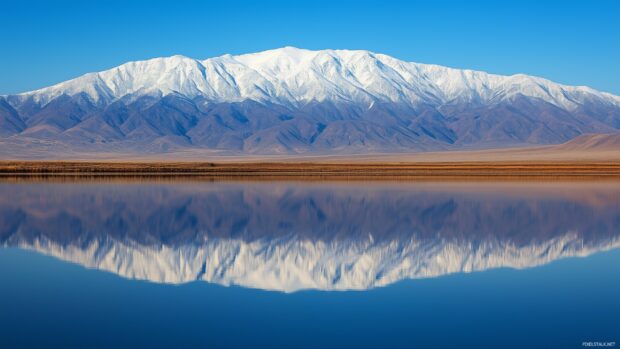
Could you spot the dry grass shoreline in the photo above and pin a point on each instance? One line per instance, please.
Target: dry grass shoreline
(315, 169)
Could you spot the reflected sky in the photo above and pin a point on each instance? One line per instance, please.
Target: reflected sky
(289, 236)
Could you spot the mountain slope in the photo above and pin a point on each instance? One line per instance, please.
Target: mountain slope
(292, 100)
(601, 142)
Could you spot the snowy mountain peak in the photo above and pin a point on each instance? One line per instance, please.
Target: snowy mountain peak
(293, 76)
(291, 101)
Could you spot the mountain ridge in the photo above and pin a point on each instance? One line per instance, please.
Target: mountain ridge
(272, 62)
(295, 101)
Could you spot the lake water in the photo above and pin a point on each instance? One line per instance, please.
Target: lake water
(308, 264)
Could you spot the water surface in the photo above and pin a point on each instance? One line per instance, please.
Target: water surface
(307, 264)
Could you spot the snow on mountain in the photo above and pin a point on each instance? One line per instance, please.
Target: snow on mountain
(293, 264)
(295, 101)
(295, 76)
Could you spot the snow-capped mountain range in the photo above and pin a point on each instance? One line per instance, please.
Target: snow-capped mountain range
(291, 264)
(291, 76)
(292, 100)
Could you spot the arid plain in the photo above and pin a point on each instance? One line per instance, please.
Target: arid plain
(589, 155)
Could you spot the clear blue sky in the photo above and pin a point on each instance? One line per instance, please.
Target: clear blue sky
(572, 42)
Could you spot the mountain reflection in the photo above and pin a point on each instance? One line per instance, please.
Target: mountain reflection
(289, 235)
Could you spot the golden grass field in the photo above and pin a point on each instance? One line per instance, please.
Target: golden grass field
(328, 169)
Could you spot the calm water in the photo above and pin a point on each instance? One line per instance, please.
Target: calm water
(309, 264)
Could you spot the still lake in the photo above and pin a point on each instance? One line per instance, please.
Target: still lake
(114, 263)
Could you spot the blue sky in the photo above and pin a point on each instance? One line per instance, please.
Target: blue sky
(571, 42)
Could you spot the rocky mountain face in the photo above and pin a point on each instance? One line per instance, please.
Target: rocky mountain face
(295, 101)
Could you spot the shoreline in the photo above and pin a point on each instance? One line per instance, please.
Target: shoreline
(473, 169)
